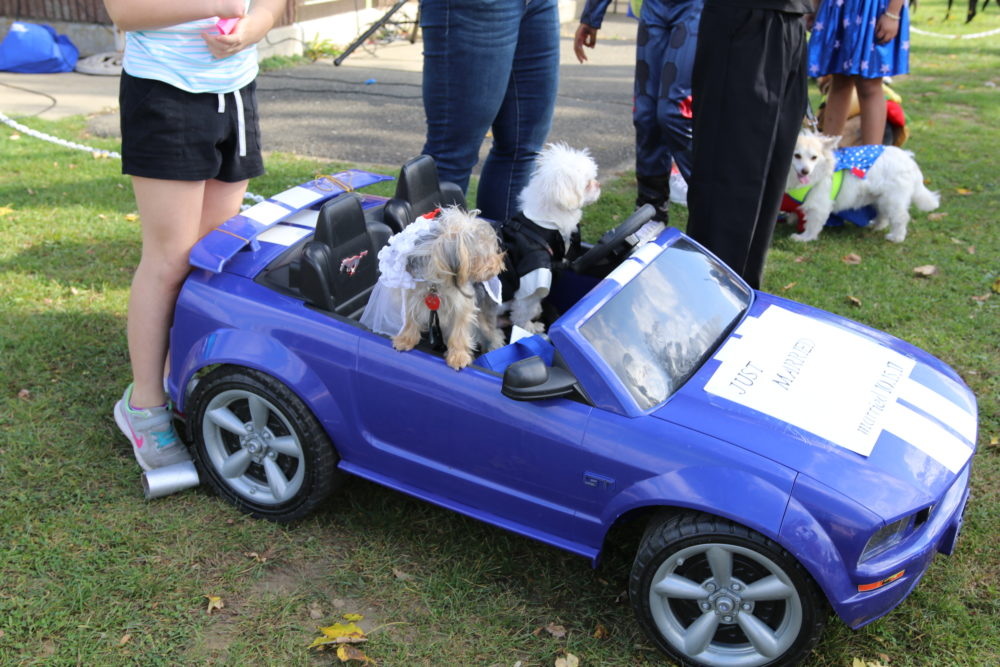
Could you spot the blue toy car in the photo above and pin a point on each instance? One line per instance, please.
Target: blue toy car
(782, 458)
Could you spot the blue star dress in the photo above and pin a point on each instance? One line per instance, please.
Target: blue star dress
(843, 41)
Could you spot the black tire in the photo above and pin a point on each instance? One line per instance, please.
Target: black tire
(710, 592)
(259, 446)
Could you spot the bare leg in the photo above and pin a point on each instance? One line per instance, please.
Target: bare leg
(838, 103)
(175, 214)
(872, 101)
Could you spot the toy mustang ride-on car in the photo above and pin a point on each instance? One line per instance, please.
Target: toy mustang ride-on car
(782, 458)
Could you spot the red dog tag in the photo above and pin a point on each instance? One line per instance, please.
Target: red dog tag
(433, 301)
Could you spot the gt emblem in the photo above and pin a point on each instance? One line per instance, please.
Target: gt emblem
(350, 264)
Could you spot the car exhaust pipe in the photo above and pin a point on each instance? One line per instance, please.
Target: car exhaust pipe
(169, 479)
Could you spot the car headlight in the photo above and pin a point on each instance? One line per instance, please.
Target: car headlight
(885, 538)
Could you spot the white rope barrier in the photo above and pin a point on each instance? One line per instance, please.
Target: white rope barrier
(96, 152)
(975, 35)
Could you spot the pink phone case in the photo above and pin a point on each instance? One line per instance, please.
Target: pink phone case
(226, 26)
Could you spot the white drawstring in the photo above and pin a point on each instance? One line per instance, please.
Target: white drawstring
(240, 119)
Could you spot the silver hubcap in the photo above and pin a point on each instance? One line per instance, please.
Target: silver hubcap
(704, 609)
(253, 447)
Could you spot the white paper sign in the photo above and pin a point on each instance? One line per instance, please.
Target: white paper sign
(818, 377)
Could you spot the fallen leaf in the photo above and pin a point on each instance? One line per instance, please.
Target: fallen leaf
(799, 259)
(996, 286)
(963, 191)
(24, 394)
(854, 301)
(399, 574)
(601, 632)
(214, 603)
(346, 653)
(557, 631)
(340, 633)
(981, 298)
(971, 250)
(14, 137)
(925, 271)
(937, 216)
(567, 660)
(131, 217)
(851, 258)
(315, 613)
(353, 618)
(5, 210)
(125, 639)
(789, 286)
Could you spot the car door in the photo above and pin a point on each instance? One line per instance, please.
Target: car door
(453, 438)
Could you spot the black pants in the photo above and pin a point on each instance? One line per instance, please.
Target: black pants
(750, 95)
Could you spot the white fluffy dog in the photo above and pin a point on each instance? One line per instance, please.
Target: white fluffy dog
(891, 184)
(563, 181)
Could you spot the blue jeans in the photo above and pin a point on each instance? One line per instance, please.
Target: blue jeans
(489, 64)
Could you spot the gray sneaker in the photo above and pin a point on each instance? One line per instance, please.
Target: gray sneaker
(151, 432)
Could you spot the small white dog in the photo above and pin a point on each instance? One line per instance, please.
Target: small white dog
(885, 177)
(564, 180)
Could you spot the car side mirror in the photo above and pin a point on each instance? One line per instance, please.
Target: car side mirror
(531, 380)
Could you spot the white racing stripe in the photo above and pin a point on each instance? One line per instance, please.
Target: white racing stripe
(940, 407)
(284, 235)
(266, 212)
(927, 436)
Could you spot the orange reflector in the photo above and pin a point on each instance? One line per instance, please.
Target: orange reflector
(864, 588)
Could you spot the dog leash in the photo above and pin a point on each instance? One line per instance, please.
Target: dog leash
(811, 119)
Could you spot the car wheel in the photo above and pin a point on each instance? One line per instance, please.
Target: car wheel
(259, 446)
(712, 592)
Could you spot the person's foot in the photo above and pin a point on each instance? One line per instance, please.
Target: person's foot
(151, 432)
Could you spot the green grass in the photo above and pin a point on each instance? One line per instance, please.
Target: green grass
(91, 574)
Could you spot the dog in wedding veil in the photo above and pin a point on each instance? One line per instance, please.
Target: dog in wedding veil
(440, 271)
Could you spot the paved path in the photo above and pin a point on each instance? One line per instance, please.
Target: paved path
(369, 110)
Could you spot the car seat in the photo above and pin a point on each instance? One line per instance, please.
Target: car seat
(339, 267)
(419, 191)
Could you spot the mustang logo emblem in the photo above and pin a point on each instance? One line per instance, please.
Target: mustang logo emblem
(350, 264)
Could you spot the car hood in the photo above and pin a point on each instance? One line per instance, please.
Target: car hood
(863, 412)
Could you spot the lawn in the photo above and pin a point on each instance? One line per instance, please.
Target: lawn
(92, 574)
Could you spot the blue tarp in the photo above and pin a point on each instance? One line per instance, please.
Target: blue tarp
(36, 49)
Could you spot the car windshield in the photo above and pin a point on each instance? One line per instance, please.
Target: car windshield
(663, 324)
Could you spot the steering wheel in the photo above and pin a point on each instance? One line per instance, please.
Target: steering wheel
(613, 240)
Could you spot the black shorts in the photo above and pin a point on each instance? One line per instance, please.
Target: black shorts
(171, 134)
